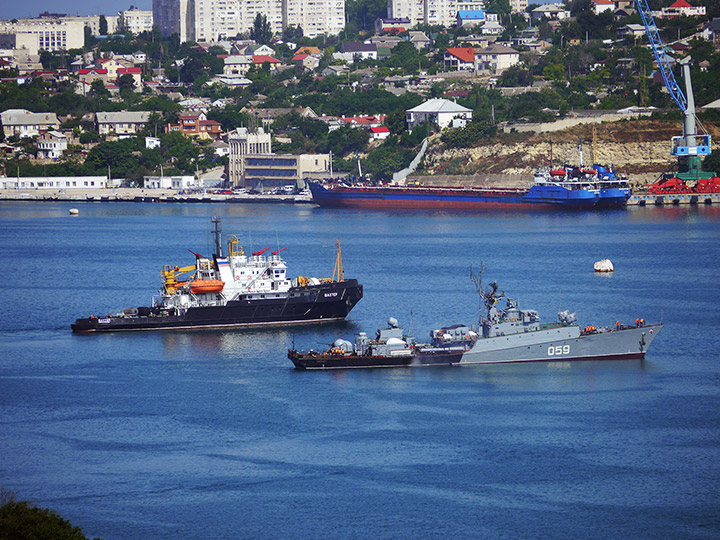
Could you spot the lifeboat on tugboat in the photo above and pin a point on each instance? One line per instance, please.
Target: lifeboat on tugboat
(204, 286)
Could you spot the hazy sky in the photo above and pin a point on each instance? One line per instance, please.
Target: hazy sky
(14, 9)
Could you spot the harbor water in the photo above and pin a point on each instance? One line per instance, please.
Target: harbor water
(213, 434)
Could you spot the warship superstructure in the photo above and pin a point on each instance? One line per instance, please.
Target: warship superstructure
(507, 334)
(235, 290)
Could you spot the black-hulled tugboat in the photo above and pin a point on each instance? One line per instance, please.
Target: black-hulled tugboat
(390, 348)
(233, 291)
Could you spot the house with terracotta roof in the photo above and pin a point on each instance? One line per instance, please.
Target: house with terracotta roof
(309, 50)
(196, 125)
(379, 133)
(682, 8)
(368, 122)
(306, 61)
(260, 59)
(89, 75)
(600, 6)
(136, 73)
(460, 58)
(391, 25)
(112, 65)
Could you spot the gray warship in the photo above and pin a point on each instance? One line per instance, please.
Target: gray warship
(510, 334)
(504, 334)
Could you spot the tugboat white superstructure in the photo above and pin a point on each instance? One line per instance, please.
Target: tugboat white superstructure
(235, 290)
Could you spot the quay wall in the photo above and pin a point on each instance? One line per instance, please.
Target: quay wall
(142, 195)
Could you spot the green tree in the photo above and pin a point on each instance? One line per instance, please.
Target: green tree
(103, 24)
(501, 7)
(22, 520)
(97, 89)
(261, 32)
(711, 163)
(126, 83)
(361, 14)
(554, 72)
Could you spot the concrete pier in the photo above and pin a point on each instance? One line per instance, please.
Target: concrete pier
(674, 199)
(143, 195)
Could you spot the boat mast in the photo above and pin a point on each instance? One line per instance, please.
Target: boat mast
(338, 270)
(218, 240)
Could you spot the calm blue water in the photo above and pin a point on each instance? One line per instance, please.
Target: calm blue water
(213, 435)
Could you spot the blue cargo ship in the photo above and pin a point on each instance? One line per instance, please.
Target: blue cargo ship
(612, 188)
(543, 195)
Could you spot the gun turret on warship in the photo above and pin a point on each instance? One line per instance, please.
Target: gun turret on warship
(235, 290)
(507, 334)
(510, 334)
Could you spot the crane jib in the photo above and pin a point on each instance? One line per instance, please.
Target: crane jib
(659, 52)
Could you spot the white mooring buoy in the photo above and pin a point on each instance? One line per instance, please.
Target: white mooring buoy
(604, 266)
(74, 211)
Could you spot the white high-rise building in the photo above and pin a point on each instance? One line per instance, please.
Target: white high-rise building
(136, 20)
(272, 9)
(407, 9)
(210, 20)
(442, 12)
(315, 17)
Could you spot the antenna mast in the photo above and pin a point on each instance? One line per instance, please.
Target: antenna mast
(218, 242)
(338, 270)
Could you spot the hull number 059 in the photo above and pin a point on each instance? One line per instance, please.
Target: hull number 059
(558, 350)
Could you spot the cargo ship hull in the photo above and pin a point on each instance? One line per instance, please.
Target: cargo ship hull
(325, 302)
(537, 197)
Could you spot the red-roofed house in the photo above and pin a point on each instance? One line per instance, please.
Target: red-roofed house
(680, 8)
(460, 58)
(380, 132)
(136, 73)
(306, 61)
(603, 5)
(112, 65)
(92, 74)
(260, 59)
(367, 122)
(309, 50)
(196, 125)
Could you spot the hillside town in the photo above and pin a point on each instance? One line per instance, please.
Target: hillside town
(260, 98)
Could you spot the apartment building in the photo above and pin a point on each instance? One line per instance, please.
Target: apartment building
(48, 33)
(136, 20)
(23, 123)
(435, 12)
(315, 17)
(213, 20)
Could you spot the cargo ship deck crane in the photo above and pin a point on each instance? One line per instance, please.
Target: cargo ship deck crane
(690, 146)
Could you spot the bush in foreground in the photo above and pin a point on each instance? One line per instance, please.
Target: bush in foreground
(21, 521)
